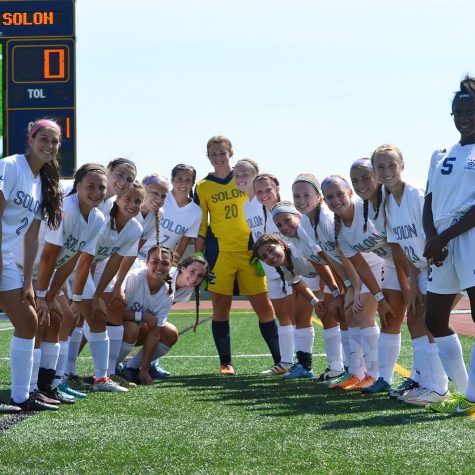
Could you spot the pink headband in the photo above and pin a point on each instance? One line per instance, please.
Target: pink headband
(44, 123)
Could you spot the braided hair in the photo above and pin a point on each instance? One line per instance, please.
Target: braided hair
(52, 202)
(268, 238)
(272, 179)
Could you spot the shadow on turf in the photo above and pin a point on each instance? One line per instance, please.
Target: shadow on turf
(276, 398)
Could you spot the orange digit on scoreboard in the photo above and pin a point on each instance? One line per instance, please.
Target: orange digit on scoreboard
(47, 53)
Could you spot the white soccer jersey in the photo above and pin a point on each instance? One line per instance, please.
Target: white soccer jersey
(111, 241)
(404, 224)
(19, 253)
(106, 205)
(139, 298)
(307, 246)
(75, 233)
(354, 239)
(302, 267)
(23, 198)
(451, 180)
(181, 295)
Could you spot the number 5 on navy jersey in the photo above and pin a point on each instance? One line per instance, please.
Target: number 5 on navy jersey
(447, 166)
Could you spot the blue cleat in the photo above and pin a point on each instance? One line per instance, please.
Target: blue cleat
(298, 371)
(156, 372)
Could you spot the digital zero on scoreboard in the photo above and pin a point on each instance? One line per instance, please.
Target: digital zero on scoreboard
(37, 52)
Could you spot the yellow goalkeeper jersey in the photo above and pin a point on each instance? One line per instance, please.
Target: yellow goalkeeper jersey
(223, 214)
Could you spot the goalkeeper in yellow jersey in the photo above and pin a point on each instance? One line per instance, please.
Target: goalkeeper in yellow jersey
(226, 241)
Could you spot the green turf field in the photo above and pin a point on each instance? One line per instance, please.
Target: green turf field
(198, 422)
(1, 99)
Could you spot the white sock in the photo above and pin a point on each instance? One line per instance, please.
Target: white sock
(389, 347)
(21, 364)
(450, 352)
(356, 364)
(421, 361)
(73, 352)
(136, 361)
(369, 342)
(49, 355)
(439, 379)
(332, 341)
(345, 343)
(125, 349)
(303, 339)
(116, 333)
(99, 346)
(286, 343)
(61, 365)
(470, 392)
(36, 368)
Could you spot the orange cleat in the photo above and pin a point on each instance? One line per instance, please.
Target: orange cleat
(366, 382)
(227, 369)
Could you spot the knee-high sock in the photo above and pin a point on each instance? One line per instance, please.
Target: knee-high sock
(35, 369)
(332, 340)
(21, 364)
(73, 351)
(49, 355)
(62, 360)
(389, 347)
(286, 343)
(99, 346)
(160, 350)
(357, 364)
(345, 344)
(470, 392)
(439, 379)
(450, 352)
(421, 361)
(270, 334)
(303, 339)
(115, 334)
(369, 341)
(125, 349)
(222, 340)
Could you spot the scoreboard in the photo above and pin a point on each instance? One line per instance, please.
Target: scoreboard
(37, 51)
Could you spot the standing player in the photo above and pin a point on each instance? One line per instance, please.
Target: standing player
(225, 237)
(29, 190)
(449, 220)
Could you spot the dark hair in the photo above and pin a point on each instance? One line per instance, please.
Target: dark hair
(181, 167)
(272, 178)
(50, 173)
(274, 239)
(83, 170)
(159, 250)
(378, 207)
(467, 86)
(121, 161)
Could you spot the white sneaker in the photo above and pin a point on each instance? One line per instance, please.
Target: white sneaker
(426, 398)
(107, 385)
(279, 368)
(329, 374)
(411, 393)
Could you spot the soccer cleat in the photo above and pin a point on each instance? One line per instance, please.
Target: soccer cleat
(227, 369)
(156, 372)
(108, 386)
(346, 382)
(277, 369)
(411, 393)
(380, 386)
(132, 375)
(32, 404)
(457, 404)
(56, 393)
(122, 381)
(364, 383)
(329, 374)
(73, 381)
(407, 385)
(340, 379)
(39, 396)
(8, 408)
(424, 398)
(297, 371)
(65, 389)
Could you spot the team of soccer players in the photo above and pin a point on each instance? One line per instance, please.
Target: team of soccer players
(102, 264)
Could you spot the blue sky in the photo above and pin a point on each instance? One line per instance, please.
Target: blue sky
(297, 85)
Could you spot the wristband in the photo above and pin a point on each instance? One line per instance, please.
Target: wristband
(138, 316)
(379, 297)
(347, 283)
(199, 254)
(313, 301)
(335, 293)
(41, 294)
(77, 298)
